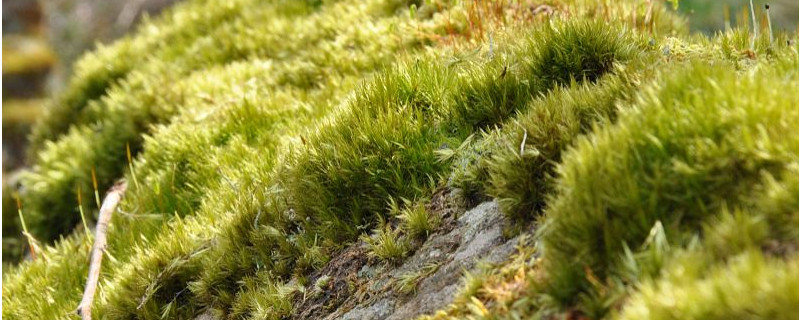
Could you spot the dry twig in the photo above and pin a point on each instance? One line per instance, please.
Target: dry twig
(109, 206)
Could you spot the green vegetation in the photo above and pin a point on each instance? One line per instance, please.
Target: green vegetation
(417, 221)
(407, 283)
(685, 152)
(266, 136)
(708, 294)
(56, 278)
(387, 244)
(519, 170)
(691, 184)
(117, 94)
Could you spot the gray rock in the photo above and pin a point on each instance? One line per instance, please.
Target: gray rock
(476, 236)
(459, 245)
(480, 231)
(378, 310)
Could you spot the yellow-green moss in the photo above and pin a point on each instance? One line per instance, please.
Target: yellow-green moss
(267, 135)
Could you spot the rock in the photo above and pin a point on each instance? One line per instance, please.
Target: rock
(378, 310)
(459, 245)
(480, 231)
(207, 315)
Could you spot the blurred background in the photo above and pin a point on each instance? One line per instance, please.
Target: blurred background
(709, 16)
(41, 40)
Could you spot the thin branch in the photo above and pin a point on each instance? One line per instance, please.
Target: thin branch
(109, 206)
(522, 145)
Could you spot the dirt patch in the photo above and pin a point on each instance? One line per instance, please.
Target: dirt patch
(339, 280)
(442, 203)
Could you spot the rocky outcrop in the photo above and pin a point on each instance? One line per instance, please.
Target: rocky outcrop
(354, 287)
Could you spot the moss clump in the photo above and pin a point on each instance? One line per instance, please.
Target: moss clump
(583, 52)
(469, 174)
(248, 107)
(520, 171)
(547, 121)
(687, 150)
(770, 286)
(32, 281)
(388, 244)
(114, 100)
(191, 29)
(491, 92)
(684, 186)
(354, 164)
(417, 221)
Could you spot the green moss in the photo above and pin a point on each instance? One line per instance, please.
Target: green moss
(750, 286)
(490, 92)
(520, 171)
(661, 218)
(688, 149)
(581, 52)
(387, 244)
(417, 221)
(256, 158)
(469, 174)
(185, 168)
(556, 56)
(115, 113)
(267, 301)
(49, 287)
(99, 71)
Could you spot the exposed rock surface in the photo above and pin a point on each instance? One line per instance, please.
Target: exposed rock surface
(358, 288)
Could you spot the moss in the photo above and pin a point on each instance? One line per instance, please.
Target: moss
(417, 221)
(183, 168)
(769, 285)
(490, 93)
(388, 244)
(256, 158)
(29, 289)
(185, 26)
(520, 170)
(685, 152)
(731, 220)
(581, 52)
(108, 112)
(469, 174)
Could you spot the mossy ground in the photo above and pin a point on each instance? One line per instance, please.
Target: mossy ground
(266, 136)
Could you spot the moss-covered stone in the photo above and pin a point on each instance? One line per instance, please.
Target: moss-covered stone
(267, 136)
